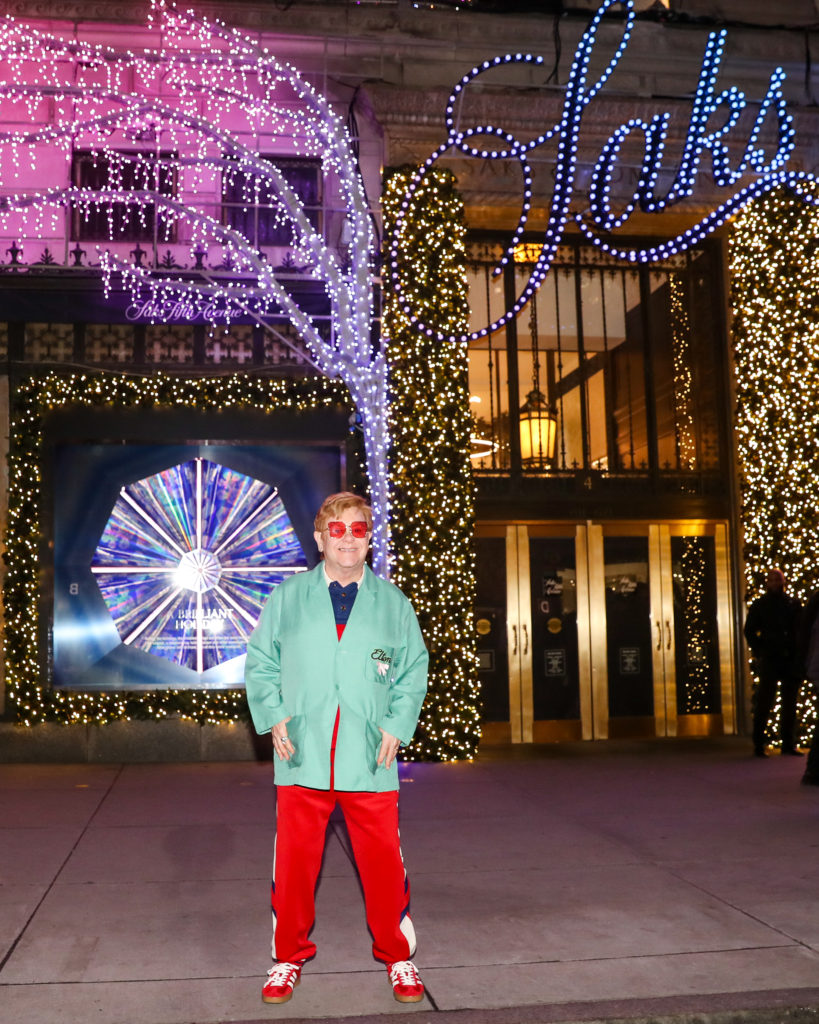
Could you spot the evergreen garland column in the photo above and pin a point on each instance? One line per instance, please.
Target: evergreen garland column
(774, 263)
(432, 491)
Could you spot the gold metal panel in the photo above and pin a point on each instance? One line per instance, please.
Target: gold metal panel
(598, 632)
(700, 725)
(655, 589)
(513, 631)
(490, 529)
(636, 727)
(581, 556)
(669, 640)
(558, 731)
(725, 630)
(527, 709)
(495, 734)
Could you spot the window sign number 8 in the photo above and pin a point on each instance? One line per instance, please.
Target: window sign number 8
(73, 588)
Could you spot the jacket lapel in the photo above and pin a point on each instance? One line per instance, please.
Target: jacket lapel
(362, 610)
(319, 604)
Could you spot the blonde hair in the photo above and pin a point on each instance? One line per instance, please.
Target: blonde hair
(334, 506)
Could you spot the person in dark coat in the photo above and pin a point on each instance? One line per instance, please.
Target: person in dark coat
(771, 630)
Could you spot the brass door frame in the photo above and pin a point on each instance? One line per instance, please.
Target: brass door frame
(724, 722)
(598, 722)
(587, 612)
(519, 626)
(592, 629)
(664, 660)
(725, 621)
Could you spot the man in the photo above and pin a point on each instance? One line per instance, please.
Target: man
(771, 631)
(337, 672)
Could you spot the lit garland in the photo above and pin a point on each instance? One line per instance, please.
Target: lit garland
(689, 575)
(689, 578)
(683, 396)
(26, 692)
(186, 97)
(775, 283)
(432, 492)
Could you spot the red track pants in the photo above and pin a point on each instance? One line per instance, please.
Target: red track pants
(372, 822)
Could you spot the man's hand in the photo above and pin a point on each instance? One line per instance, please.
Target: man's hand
(282, 744)
(389, 748)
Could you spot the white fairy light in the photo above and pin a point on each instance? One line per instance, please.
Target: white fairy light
(196, 94)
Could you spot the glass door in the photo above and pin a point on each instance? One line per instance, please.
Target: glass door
(596, 630)
(697, 617)
(491, 628)
(631, 670)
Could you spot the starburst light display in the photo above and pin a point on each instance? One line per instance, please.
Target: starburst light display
(187, 559)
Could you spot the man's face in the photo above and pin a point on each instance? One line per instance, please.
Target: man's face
(344, 557)
(775, 580)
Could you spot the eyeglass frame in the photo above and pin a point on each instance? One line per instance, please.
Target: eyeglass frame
(347, 528)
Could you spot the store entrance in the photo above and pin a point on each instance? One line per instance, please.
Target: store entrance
(597, 630)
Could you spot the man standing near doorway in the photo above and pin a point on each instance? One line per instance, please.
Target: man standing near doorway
(337, 672)
(771, 631)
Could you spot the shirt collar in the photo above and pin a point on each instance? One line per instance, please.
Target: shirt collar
(328, 581)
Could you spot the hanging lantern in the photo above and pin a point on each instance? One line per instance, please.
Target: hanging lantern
(538, 431)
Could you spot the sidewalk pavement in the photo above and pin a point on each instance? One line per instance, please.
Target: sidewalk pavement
(646, 879)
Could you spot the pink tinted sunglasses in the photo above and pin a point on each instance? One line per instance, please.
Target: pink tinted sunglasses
(357, 529)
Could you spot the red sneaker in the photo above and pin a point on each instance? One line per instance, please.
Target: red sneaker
(281, 979)
(406, 982)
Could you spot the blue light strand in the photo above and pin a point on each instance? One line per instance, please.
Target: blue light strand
(692, 236)
(700, 140)
(567, 130)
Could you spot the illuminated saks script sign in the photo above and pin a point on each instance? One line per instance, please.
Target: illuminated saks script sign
(762, 170)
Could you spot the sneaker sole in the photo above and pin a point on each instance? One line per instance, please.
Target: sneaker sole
(409, 999)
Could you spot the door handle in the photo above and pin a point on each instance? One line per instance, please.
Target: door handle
(514, 639)
(659, 635)
(525, 638)
(668, 634)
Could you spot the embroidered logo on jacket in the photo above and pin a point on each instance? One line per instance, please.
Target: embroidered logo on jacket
(383, 661)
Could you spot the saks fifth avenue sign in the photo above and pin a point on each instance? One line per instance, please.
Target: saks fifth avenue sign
(177, 310)
(713, 124)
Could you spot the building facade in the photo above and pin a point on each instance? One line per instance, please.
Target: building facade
(610, 581)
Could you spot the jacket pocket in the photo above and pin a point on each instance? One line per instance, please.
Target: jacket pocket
(295, 731)
(379, 665)
(379, 672)
(373, 746)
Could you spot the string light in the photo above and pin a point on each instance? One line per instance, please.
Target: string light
(774, 284)
(432, 487)
(489, 142)
(684, 429)
(26, 690)
(566, 131)
(690, 581)
(186, 95)
(194, 98)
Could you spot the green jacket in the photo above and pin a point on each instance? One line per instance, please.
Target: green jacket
(376, 674)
